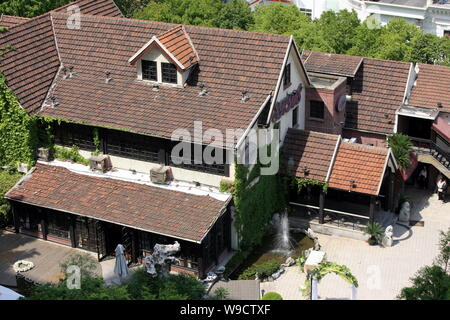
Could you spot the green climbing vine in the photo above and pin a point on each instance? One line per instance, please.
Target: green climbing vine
(97, 141)
(326, 268)
(256, 198)
(301, 183)
(18, 130)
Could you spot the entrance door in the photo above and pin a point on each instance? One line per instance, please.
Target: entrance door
(101, 242)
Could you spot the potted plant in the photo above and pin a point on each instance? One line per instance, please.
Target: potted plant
(375, 230)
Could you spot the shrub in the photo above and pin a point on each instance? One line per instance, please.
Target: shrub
(85, 262)
(71, 154)
(226, 187)
(262, 270)
(235, 261)
(272, 296)
(401, 147)
(221, 294)
(375, 230)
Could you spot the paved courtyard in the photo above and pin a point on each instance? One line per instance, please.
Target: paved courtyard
(381, 272)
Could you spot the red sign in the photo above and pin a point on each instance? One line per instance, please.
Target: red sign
(289, 102)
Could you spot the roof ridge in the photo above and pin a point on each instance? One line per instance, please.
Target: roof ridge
(365, 146)
(287, 37)
(314, 132)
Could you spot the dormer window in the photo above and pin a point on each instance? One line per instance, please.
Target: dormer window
(149, 70)
(169, 72)
(166, 58)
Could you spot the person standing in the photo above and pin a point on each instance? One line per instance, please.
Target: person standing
(423, 178)
(442, 188)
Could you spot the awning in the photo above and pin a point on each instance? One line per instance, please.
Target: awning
(408, 111)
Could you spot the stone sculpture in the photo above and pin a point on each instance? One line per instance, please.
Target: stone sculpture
(161, 259)
(405, 212)
(312, 235)
(387, 238)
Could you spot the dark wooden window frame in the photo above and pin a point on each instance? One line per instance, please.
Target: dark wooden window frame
(295, 117)
(169, 73)
(149, 70)
(287, 75)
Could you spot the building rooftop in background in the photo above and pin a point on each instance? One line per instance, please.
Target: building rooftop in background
(331, 63)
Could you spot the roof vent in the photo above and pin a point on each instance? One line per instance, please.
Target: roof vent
(245, 96)
(155, 87)
(67, 72)
(108, 77)
(439, 104)
(204, 92)
(160, 175)
(54, 102)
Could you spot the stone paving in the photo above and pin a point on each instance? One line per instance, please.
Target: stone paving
(381, 272)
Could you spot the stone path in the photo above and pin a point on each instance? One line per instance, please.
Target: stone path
(381, 272)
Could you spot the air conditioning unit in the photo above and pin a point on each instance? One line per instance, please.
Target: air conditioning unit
(160, 175)
(100, 163)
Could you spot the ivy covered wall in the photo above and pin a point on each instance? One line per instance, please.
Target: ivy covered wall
(256, 198)
(18, 130)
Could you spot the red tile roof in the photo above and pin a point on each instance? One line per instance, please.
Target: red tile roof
(177, 44)
(11, 21)
(378, 91)
(153, 209)
(231, 62)
(105, 8)
(314, 150)
(361, 163)
(432, 86)
(331, 63)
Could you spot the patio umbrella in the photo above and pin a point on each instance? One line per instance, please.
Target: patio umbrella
(121, 267)
(8, 294)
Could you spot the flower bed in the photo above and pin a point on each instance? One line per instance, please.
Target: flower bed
(23, 266)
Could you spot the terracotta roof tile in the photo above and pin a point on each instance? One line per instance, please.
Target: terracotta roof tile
(172, 213)
(314, 150)
(361, 163)
(432, 86)
(378, 91)
(11, 21)
(331, 63)
(178, 43)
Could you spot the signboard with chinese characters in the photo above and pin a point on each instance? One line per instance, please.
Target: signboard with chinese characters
(287, 103)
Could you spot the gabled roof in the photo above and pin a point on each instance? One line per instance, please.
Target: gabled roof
(378, 91)
(229, 65)
(359, 168)
(432, 86)
(11, 21)
(313, 150)
(153, 209)
(177, 46)
(331, 63)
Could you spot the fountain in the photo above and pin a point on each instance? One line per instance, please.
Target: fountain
(283, 242)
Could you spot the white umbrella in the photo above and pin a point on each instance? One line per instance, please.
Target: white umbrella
(121, 267)
(8, 294)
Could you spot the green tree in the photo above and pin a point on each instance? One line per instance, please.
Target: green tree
(30, 8)
(7, 180)
(193, 12)
(401, 147)
(129, 7)
(278, 18)
(235, 14)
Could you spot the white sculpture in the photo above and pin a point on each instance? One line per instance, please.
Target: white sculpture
(312, 235)
(405, 212)
(163, 257)
(387, 238)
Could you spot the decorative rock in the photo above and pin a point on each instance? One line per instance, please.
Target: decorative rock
(163, 257)
(289, 262)
(405, 212)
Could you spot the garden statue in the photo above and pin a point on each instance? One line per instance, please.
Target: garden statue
(387, 238)
(405, 212)
(162, 257)
(312, 235)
